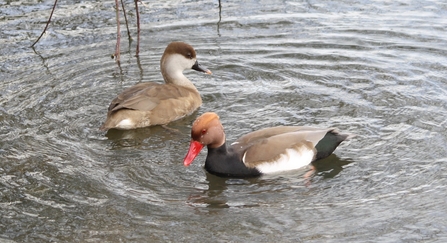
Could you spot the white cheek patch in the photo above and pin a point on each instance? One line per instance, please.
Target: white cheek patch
(125, 124)
(291, 159)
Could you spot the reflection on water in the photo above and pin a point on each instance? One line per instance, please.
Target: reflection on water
(213, 193)
(215, 189)
(331, 166)
(212, 196)
(375, 69)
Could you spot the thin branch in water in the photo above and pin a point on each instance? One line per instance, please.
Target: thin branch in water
(43, 61)
(220, 18)
(118, 34)
(48, 23)
(137, 51)
(125, 19)
(140, 68)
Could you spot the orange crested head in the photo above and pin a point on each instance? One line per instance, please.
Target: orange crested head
(202, 124)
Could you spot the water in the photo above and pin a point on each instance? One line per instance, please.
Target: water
(373, 68)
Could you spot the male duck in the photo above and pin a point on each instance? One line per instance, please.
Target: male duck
(268, 150)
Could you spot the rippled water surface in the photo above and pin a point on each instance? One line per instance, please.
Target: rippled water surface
(374, 68)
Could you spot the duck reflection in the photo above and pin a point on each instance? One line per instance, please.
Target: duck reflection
(130, 138)
(136, 137)
(331, 166)
(138, 134)
(216, 196)
(213, 196)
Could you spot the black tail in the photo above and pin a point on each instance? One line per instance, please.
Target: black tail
(329, 143)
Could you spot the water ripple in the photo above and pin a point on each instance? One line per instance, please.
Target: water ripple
(376, 69)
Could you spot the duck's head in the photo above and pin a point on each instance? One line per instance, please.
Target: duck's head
(179, 56)
(207, 130)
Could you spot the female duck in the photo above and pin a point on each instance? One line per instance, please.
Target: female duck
(268, 150)
(148, 104)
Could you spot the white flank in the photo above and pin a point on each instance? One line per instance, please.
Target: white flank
(291, 159)
(125, 124)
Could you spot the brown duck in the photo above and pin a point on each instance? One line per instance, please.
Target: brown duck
(148, 104)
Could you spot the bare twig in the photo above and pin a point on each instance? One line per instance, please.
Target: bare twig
(140, 68)
(220, 18)
(118, 34)
(137, 51)
(48, 22)
(118, 29)
(125, 19)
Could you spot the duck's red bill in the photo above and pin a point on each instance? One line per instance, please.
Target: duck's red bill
(194, 150)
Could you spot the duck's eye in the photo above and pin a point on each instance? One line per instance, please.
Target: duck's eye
(203, 131)
(189, 55)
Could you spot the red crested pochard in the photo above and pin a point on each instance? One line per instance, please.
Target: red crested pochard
(268, 150)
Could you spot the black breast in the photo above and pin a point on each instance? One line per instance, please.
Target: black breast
(227, 163)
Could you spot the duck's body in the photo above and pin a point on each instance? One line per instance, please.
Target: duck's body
(148, 104)
(265, 151)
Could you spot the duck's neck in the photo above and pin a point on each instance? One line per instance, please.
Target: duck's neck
(216, 159)
(173, 74)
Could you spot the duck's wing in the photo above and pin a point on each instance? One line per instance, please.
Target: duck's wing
(147, 96)
(270, 145)
(249, 139)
